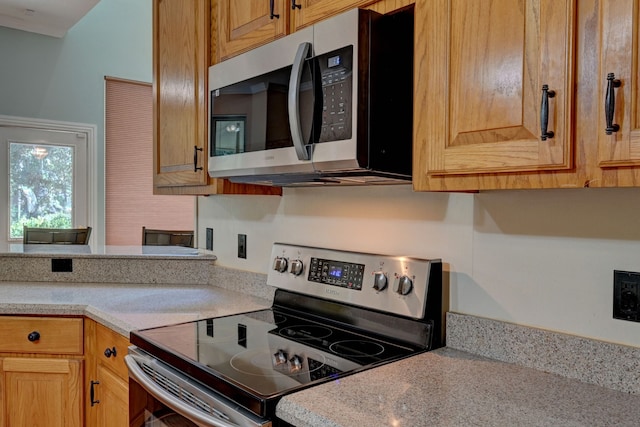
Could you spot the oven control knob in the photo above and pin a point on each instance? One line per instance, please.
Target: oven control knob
(295, 364)
(403, 285)
(379, 281)
(280, 264)
(279, 358)
(296, 267)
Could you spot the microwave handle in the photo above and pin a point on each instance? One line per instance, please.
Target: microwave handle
(294, 101)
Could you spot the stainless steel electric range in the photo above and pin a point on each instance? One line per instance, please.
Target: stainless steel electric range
(334, 313)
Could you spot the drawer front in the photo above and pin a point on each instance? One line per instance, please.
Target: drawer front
(41, 335)
(106, 342)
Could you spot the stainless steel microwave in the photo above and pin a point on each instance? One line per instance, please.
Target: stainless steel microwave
(329, 104)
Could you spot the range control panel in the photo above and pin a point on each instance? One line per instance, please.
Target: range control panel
(393, 284)
(338, 273)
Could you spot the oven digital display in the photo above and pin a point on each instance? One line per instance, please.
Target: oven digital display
(336, 273)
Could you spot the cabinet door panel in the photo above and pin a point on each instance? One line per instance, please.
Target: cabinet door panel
(42, 392)
(619, 55)
(479, 85)
(181, 59)
(245, 24)
(113, 394)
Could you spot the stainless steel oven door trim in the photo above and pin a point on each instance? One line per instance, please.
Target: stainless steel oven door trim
(181, 407)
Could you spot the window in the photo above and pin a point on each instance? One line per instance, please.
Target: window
(48, 181)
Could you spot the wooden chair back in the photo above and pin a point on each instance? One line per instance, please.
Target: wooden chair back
(56, 236)
(152, 237)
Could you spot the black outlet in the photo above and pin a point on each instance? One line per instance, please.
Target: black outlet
(61, 265)
(242, 246)
(209, 239)
(626, 294)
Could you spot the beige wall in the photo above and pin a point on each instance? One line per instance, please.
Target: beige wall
(541, 258)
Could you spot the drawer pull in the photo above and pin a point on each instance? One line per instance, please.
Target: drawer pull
(110, 352)
(34, 336)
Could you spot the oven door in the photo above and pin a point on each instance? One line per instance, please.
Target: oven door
(175, 400)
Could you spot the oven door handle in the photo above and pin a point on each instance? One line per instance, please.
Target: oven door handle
(171, 401)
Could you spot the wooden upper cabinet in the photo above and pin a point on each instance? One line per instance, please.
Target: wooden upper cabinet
(180, 66)
(619, 41)
(306, 12)
(480, 70)
(245, 24)
(181, 58)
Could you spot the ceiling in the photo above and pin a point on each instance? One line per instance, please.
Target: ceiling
(49, 17)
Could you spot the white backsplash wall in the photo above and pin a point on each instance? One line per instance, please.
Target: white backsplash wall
(541, 258)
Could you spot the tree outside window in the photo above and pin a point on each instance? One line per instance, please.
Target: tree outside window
(40, 186)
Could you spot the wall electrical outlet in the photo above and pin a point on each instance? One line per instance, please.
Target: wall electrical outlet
(209, 245)
(61, 265)
(626, 295)
(242, 246)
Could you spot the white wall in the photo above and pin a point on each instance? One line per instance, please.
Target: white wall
(541, 258)
(63, 79)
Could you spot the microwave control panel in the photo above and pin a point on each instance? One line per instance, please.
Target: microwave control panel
(336, 71)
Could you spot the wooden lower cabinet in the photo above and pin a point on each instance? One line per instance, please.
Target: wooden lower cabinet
(113, 396)
(106, 377)
(41, 392)
(41, 371)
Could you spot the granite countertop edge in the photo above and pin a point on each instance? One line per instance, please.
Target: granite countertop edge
(125, 307)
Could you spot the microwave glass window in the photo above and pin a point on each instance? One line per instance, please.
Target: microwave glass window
(229, 135)
(262, 104)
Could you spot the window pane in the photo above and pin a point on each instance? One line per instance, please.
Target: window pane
(40, 186)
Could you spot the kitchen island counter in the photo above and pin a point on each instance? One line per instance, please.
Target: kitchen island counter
(449, 387)
(124, 308)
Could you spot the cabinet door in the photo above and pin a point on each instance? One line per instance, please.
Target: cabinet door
(112, 393)
(41, 392)
(306, 12)
(180, 65)
(480, 68)
(245, 24)
(619, 57)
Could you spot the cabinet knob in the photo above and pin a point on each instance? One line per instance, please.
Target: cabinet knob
(110, 352)
(33, 336)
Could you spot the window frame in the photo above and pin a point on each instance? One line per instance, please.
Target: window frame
(90, 131)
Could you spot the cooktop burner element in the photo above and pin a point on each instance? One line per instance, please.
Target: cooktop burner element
(320, 326)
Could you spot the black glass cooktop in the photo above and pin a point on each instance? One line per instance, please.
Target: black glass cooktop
(254, 358)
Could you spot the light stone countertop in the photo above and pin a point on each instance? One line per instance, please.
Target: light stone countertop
(124, 308)
(103, 251)
(445, 387)
(449, 387)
